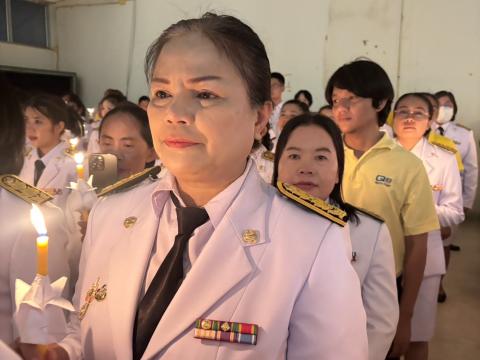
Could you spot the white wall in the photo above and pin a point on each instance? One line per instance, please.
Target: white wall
(27, 56)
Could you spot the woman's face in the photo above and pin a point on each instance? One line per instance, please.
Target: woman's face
(445, 101)
(121, 137)
(289, 111)
(410, 120)
(105, 107)
(202, 121)
(41, 131)
(309, 161)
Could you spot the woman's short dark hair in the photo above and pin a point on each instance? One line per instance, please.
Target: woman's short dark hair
(366, 79)
(12, 131)
(278, 76)
(52, 107)
(114, 99)
(143, 98)
(335, 134)
(137, 113)
(448, 94)
(77, 103)
(234, 39)
(303, 107)
(433, 100)
(307, 95)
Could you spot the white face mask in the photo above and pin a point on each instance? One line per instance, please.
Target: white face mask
(445, 114)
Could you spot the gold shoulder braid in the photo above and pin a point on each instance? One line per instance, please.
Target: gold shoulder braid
(130, 181)
(268, 155)
(446, 144)
(24, 191)
(314, 204)
(442, 141)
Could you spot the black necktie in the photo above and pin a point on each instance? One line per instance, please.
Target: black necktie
(39, 167)
(441, 130)
(167, 280)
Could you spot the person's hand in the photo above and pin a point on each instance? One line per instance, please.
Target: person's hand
(43, 352)
(402, 339)
(445, 232)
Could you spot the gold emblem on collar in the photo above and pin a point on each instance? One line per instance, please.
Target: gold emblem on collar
(250, 237)
(129, 221)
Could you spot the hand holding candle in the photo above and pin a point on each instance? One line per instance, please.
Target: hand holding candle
(42, 240)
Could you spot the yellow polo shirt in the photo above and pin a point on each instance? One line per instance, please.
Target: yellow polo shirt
(391, 183)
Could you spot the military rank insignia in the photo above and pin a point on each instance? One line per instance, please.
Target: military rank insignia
(241, 333)
(96, 292)
(24, 191)
(130, 181)
(314, 204)
(268, 155)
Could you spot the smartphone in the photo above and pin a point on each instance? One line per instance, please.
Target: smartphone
(103, 167)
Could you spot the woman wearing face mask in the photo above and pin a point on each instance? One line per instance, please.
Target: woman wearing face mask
(463, 137)
(412, 115)
(47, 165)
(310, 156)
(255, 257)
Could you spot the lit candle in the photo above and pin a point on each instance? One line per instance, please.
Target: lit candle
(78, 157)
(73, 143)
(42, 240)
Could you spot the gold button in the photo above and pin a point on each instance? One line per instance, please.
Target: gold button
(129, 221)
(250, 237)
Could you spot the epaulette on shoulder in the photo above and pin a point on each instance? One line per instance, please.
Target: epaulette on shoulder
(130, 181)
(69, 151)
(463, 126)
(316, 205)
(268, 155)
(24, 191)
(369, 214)
(442, 141)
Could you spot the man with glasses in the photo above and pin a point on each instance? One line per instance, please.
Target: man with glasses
(383, 178)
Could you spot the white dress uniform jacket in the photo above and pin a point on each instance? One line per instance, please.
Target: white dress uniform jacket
(442, 171)
(372, 259)
(295, 282)
(465, 141)
(59, 171)
(18, 253)
(264, 160)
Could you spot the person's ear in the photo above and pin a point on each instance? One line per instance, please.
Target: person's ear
(263, 115)
(381, 105)
(59, 128)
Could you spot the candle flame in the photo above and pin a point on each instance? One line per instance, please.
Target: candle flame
(73, 141)
(78, 157)
(37, 220)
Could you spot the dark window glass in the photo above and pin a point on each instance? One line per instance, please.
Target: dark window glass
(29, 23)
(3, 21)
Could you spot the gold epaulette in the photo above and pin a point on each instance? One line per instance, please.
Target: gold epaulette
(268, 155)
(314, 204)
(447, 144)
(24, 191)
(130, 181)
(463, 127)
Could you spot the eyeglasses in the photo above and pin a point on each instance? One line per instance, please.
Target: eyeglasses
(415, 115)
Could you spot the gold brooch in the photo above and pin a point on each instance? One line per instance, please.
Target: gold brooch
(129, 221)
(250, 236)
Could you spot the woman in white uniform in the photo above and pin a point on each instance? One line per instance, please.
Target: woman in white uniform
(242, 287)
(47, 165)
(310, 156)
(18, 236)
(412, 116)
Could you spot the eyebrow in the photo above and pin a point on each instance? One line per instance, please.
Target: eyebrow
(325, 149)
(191, 81)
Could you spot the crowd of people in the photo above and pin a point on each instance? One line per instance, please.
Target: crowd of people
(324, 232)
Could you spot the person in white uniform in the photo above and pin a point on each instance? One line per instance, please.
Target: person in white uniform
(18, 236)
(412, 116)
(310, 156)
(243, 286)
(48, 166)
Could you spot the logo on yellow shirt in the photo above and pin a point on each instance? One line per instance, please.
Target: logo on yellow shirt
(383, 180)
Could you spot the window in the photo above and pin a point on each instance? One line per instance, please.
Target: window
(23, 22)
